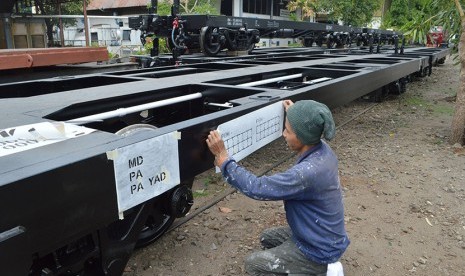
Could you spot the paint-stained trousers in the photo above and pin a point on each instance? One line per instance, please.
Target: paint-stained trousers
(281, 256)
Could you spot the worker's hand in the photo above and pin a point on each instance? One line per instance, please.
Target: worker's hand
(217, 148)
(287, 104)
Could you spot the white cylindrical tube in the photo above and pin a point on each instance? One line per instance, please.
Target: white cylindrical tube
(128, 110)
(260, 82)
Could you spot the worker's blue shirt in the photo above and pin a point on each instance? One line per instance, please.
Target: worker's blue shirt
(312, 199)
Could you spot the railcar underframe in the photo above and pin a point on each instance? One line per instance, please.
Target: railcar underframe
(211, 34)
(59, 205)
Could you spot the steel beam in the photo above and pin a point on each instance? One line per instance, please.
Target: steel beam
(27, 58)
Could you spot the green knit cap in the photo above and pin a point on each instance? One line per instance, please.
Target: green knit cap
(309, 120)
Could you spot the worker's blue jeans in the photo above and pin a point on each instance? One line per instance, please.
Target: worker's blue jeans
(281, 256)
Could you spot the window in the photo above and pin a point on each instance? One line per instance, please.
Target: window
(20, 41)
(94, 37)
(258, 7)
(246, 5)
(38, 41)
(127, 35)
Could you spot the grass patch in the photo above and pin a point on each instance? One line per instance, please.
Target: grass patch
(200, 193)
(435, 108)
(443, 109)
(207, 181)
(438, 142)
(416, 101)
(449, 91)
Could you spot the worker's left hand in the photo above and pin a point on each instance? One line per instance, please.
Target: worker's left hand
(287, 104)
(217, 148)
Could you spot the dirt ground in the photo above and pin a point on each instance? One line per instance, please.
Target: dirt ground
(404, 192)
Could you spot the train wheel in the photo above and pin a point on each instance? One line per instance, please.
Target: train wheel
(210, 41)
(250, 48)
(165, 209)
(158, 222)
(131, 129)
(308, 42)
(377, 96)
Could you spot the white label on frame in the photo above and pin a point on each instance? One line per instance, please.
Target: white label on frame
(145, 170)
(246, 134)
(26, 137)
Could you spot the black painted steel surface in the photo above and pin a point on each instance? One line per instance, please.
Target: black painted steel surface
(62, 196)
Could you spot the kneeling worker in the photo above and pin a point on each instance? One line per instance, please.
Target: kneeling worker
(315, 238)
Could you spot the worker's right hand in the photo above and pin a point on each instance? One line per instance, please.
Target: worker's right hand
(217, 148)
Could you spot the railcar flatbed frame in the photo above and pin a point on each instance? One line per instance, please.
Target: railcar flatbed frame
(58, 202)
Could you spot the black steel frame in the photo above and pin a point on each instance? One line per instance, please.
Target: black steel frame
(58, 202)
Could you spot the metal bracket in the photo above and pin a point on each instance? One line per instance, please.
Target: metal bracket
(267, 98)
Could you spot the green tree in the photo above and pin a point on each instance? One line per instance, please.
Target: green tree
(412, 17)
(386, 6)
(163, 8)
(307, 7)
(55, 7)
(450, 15)
(350, 12)
(198, 6)
(188, 7)
(453, 21)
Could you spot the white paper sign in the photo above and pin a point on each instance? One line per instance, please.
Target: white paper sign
(26, 137)
(246, 134)
(145, 170)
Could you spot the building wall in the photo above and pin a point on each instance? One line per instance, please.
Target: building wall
(22, 33)
(29, 33)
